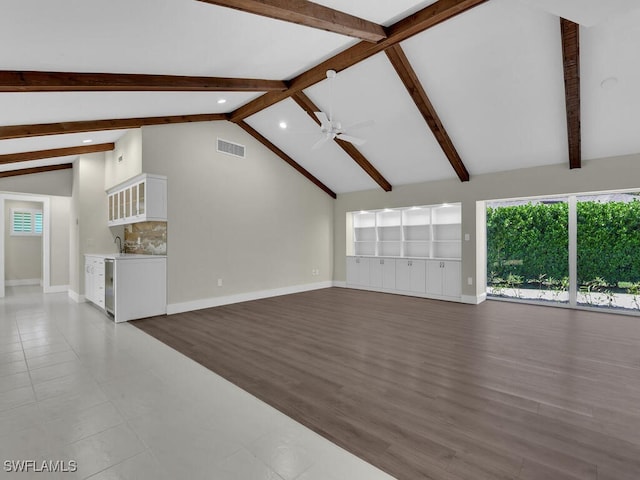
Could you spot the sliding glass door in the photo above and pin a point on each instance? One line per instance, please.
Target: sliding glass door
(528, 249)
(608, 251)
(578, 250)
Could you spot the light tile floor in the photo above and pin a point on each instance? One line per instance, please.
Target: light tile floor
(75, 386)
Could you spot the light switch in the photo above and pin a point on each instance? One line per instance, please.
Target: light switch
(466, 237)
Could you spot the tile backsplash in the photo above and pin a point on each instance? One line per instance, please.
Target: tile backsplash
(148, 238)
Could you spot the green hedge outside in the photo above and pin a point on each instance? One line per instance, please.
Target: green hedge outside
(530, 242)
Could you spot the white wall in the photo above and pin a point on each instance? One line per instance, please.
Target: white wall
(57, 182)
(59, 227)
(255, 222)
(129, 147)
(89, 232)
(23, 253)
(595, 175)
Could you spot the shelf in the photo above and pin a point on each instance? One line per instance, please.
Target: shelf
(426, 232)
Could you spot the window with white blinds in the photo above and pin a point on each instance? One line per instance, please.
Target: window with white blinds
(26, 222)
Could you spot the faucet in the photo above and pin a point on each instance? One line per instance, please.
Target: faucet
(119, 241)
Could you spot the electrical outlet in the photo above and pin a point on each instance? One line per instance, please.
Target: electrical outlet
(219, 282)
(467, 237)
(470, 281)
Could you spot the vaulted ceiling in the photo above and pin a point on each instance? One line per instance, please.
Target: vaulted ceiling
(455, 88)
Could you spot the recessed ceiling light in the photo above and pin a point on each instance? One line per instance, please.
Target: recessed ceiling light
(222, 100)
(88, 140)
(608, 83)
(283, 125)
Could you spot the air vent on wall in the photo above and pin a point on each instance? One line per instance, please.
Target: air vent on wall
(231, 148)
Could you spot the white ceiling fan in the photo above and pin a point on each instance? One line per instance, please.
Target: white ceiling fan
(331, 128)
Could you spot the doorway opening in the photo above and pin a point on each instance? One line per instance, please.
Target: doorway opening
(24, 242)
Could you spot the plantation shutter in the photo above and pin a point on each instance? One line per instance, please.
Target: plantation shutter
(26, 222)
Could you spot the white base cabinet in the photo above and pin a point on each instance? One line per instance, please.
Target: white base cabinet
(411, 276)
(383, 273)
(358, 271)
(94, 279)
(438, 279)
(443, 278)
(140, 287)
(138, 284)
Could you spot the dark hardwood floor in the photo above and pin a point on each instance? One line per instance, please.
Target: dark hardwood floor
(426, 389)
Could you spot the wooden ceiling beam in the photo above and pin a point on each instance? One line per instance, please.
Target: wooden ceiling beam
(412, 83)
(29, 171)
(308, 14)
(31, 81)
(308, 106)
(55, 152)
(264, 141)
(420, 21)
(571, 61)
(43, 129)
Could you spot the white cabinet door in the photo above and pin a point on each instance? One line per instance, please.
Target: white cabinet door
(98, 282)
(451, 280)
(443, 278)
(383, 273)
(403, 275)
(94, 280)
(418, 276)
(411, 275)
(434, 277)
(88, 279)
(389, 273)
(376, 267)
(364, 271)
(358, 271)
(352, 271)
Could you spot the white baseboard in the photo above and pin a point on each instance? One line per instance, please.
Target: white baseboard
(182, 307)
(21, 283)
(76, 297)
(339, 284)
(56, 289)
(474, 299)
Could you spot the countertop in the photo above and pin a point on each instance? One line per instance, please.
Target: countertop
(125, 256)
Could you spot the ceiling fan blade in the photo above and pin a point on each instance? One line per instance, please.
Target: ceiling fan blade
(359, 125)
(321, 142)
(350, 139)
(324, 120)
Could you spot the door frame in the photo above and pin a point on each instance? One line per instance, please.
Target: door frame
(46, 236)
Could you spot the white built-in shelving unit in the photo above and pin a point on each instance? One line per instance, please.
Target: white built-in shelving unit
(412, 250)
(417, 232)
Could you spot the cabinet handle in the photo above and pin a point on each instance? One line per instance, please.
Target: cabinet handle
(381, 262)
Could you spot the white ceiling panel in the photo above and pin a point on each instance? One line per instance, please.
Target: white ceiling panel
(610, 76)
(49, 142)
(173, 37)
(329, 164)
(45, 107)
(495, 77)
(37, 163)
(586, 12)
(383, 12)
(400, 144)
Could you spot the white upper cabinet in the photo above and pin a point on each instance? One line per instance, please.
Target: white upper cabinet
(140, 199)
